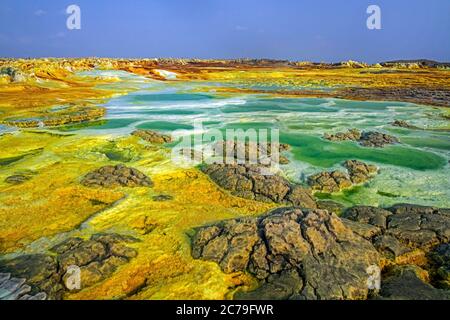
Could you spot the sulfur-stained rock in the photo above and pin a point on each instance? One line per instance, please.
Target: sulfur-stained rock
(359, 172)
(301, 197)
(39, 270)
(336, 181)
(17, 289)
(405, 283)
(351, 135)
(250, 153)
(97, 258)
(162, 198)
(405, 228)
(115, 176)
(330, 182)
(17, 179)
(403, 124)
(366, 231)
(70, 115)
(296, 253)
(440, 264)
(152, 136)
(370, 215)
(365, 138)
(278, 287)
(331, 206)
(248, 182)
(376, 139)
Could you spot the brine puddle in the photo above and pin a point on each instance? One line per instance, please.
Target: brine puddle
(414, 171)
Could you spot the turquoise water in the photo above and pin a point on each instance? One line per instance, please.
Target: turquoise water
(416, 170)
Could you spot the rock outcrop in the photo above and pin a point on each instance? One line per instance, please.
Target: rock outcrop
(250, 151)
(331, 206)
(97, 259)
(152, 136)
(115, 176)
(365, 138)
(296, 253)
(72, 116)
(17, 289)
(405, 283)
(162, 198)
(336, 181)
(405, 233)
(403, 124)
(312, 254)
(247, 181)
(376, 139)
(440, 263)
(17, 179)
(350, 135)
(330, 182)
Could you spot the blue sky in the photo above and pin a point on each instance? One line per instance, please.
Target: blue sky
(315, 30)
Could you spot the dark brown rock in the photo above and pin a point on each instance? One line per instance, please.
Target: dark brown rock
(369, 215)
(330, 206)
(330, 182)
(98, 258)
(248, 182)
(405, 227)
(40, 272)
(376, 139)
(350, 135)
(440, 264)
(17, 179)
(402, 124)
(162, 198)
(17, 289)
(293, 252)
(360, 172)
(152, 136)
(336, 181)
(365, 138)
(405, 283)
(115, 176)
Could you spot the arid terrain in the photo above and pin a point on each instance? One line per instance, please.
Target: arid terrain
(87, 180)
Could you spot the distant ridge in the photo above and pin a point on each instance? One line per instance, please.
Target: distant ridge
(420, 62)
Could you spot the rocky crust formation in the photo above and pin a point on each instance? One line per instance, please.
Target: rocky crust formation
(440, 261)
(365, 138)
(115, 176)
(336, 181)
(78, 115)
(152, 136)
(312, 254)
(17, 179)
(17, 289)
(404, 232)
(413, 237)
(408, 283)
(403, 124)
(162, 198)
(297, 254)
(249, 153)
(419, 95)
(97, 259)
(247, 181)
(245, 151)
